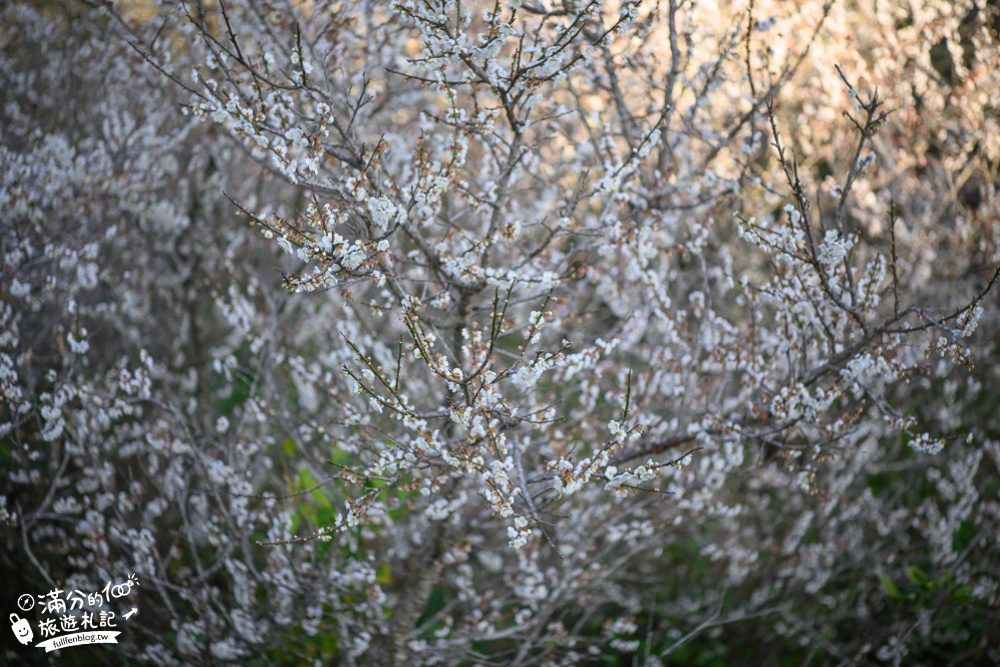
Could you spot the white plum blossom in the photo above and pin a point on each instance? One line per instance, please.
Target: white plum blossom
(834, 248)
(522, 332)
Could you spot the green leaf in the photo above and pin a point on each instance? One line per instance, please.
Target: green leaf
(341, 457)
(890, 588)
(307, 480)
(962, 595)
(917, 576)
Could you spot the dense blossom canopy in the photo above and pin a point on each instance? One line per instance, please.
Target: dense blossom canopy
(545, 332)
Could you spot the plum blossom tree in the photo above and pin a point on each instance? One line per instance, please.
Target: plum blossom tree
(512, 333)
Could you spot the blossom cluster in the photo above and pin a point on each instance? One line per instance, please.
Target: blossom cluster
(522, 332)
